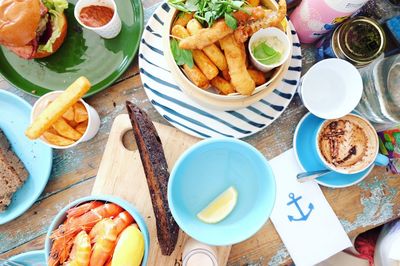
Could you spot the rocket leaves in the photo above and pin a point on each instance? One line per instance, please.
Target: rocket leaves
(208, 11)
(181, 56)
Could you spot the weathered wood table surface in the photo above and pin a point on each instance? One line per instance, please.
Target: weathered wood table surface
(368, 204)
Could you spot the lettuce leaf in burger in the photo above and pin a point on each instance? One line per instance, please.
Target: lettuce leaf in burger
(33, 28)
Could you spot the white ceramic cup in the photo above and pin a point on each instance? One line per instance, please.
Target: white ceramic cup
(108, 31)
(261, 34)
(331, 88)
(93, 119)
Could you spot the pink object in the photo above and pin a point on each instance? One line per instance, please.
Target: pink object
(313, 18)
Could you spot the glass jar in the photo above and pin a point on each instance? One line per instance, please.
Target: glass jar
(359, 40)
(380, 102)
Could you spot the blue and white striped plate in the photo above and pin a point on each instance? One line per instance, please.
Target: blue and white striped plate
(194, 119)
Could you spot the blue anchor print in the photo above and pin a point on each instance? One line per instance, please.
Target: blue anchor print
(294, 201)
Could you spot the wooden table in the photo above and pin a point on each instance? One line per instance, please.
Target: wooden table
(368, 204)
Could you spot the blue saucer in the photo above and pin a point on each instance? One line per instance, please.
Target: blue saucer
(31, 258)
(304, 146)
(36, 156)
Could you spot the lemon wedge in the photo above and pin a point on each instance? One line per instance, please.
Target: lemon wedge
(130, 248)
(220, 207)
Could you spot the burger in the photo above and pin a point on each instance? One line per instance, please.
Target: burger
(33, 28)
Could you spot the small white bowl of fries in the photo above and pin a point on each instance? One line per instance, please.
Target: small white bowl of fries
(61, 119)
(220, 74)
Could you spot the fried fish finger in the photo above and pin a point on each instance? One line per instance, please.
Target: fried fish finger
(213, 52)
(236, 57)
(206, 36)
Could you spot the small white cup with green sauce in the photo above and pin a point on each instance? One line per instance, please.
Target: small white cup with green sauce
(267, 59)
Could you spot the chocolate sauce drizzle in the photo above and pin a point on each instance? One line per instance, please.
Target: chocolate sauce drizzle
(334, 136)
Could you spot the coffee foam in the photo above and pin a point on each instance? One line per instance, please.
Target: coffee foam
(348, 144)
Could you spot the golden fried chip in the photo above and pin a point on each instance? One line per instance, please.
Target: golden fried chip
(257, 76)
(81, 113)
(65, 130)
(81, 128)
(222, 85)
(56, 139)
(183, 18)
(69, 114)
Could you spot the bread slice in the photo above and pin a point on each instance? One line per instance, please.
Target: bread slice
(12, 172)
(7, 154)
(5, 201)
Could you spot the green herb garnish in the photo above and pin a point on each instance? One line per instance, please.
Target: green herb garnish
(181, 56)
(265, 54)
(230, 21)
(208, 11)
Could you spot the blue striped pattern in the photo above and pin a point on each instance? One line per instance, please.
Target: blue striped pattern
(149, 29)
(187, 115)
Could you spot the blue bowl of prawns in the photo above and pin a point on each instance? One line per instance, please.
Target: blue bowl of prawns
(95, 208)
(216, 93)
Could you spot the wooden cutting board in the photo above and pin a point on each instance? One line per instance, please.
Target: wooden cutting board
(121, 174)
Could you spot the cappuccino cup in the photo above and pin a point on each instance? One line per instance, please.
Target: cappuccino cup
(348, 145)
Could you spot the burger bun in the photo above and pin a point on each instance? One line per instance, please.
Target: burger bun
(57, 44)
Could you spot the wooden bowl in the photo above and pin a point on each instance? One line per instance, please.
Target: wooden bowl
(209, 98)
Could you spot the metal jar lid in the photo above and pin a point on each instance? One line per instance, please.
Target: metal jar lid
(359, 40)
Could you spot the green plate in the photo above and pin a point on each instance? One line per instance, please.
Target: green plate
(83, 53)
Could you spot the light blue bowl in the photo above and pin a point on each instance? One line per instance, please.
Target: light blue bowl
(207, 169)
(61, 216)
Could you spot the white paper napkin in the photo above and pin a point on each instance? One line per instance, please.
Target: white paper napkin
(302, 216)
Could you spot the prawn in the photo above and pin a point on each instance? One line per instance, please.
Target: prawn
(104, 234)
(80, 253)
(82, 209)
(64, 235)
(260, 19)
(250, 20)
(123, 220)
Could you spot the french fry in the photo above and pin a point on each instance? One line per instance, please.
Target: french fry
(222, 85)
(257, 76)
(72, 123)
(236, 57)
(213, 52)
(202, 61)
(183, 18)
(52, 131)
(81, 113)
(81, 128)
(253, 2)
(179, 31)
(196, 76)
(65, 130)
(205, 64)
(58, 107)
(56, 139)
(226, 75)
(193, 73)
(69, 114)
